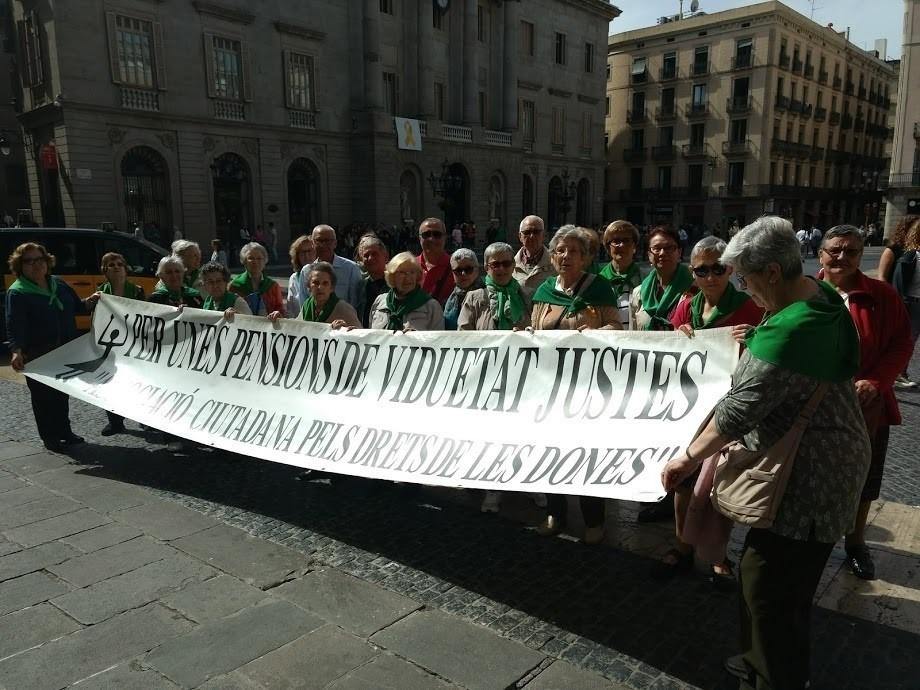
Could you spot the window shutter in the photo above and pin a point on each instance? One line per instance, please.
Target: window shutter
(245, 71)
(39, 72)
(158, 56)
(286, 62)
(25, 76)
(112, 30)
(209, 63)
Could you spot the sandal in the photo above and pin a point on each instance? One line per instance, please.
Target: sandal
(675, 562)
(724, 579)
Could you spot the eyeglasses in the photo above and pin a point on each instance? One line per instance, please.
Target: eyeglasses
(664, 249)
(464, 270)
(28, 261)
(507, 263)
(703, 270)
(742, 281)
(214, 281)
(849, 252)
(404, 274)
(620, 241)
(565, 251)
(531, 233)
(431, 235)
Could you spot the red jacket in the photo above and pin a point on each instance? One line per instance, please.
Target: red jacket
(885, 343)
(437, 278)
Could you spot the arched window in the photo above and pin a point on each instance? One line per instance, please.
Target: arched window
(232, 196)
(303, 196)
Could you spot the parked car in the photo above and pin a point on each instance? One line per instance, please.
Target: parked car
(78, 253)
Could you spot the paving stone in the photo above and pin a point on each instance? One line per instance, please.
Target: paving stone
(30, 560)
(39, 508)
(102, 537)
(220, 646)
(33, 626)
(387, 672)
(29, 590)
(128, 676)
(56, 527)
(22, 494)
(12, 449)
(132, 589)
(97, 492)
(446, 645)
(9, 482)
(83, 571)
(357, 606)
(33, 464)
(312, 661)
(232, 681)
(255, 561)
(218, 597)
(895, 527)
(561, 675)
(8, 547)
(91, 650)
(164, 520)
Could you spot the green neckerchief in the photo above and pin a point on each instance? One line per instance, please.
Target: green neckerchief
(226, 301)
(597, 293)
(730, 301)
(309, 313)
(657, 307)
(132, 291)
(191, 277)
(596, 267)
(177, 297)
(399, 310)
(618, 280)
(813, 337)
(509, 307)
(244, 282)
(26, 286)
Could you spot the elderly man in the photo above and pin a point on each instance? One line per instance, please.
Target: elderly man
(437, 279)
(349, 285)
(531, 264)
(374, 256)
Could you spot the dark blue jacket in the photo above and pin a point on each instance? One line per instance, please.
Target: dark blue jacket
(36, 327)
(904, 270)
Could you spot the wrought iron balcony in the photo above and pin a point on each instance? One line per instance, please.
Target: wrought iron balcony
(861, 94)
(782, 102)
(795, 106)
(820, 114)
(667, 73)
(809, 71)
(838, 82)
(695, 110)
(635, 155)
(859, 124)
(664, 153)
(665, 113)
(834, 119)
(739, 104)
(695, 151)
(636, 115)
(817, 153)
(743, 61)
(822, 77)
(849, 88)
(847, 121)
(796, 66)
(699, 69)
(784, 60)
(807, 109)
(737, 148)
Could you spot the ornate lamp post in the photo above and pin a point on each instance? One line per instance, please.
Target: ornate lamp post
(566, 195)
(444, 187)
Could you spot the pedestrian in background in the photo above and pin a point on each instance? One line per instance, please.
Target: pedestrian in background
(190, 254)
(218, 254)
(302, 253)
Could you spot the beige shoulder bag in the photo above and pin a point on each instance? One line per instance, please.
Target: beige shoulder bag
(749, 484)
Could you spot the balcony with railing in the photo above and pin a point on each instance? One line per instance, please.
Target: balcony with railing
(738, 189)
(667, 152)
(458, 133)
(796, 66)
(834, 119)
(822, 77)
(737, 148)
(859, 124)
(640, 77)
(837, 83)
(809, 71)
(837, 156)
(784, 60)
(140, 99)
(739, 105)
(861, 93)
(817, 153)
(636, 155)
(849, 88)
(632, 194)
(301, 119)
(494, 137)
(230, 110)
(667, 73)
(820, 114)
(664, 113)
(636, 115)
(697, 110)
(695, 151)
(699, 68)
(782, 102)
(899, 180)
(558, 148)
(846, 122)
(795, 106)
(743, 61)
(807, 110)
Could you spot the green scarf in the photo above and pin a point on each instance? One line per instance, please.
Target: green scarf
(132, 291)
(244, 282)
(309, 313)
(730, 301)
(618, 280)
(815, 337)
(227, 301)
(399, 310)
(597, 293)
(509, 308)
(26, 286)
(177, 297)
(191, 277)
(657, 307)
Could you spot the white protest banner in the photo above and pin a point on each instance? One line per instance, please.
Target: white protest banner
(585, 413)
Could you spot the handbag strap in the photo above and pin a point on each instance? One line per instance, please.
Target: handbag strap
(812, 405)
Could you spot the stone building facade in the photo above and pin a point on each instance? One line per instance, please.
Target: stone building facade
(718, 118)
(208, 115)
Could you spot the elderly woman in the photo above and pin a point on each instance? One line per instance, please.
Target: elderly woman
(654, 301)
(190, 254)
(465, 267)
(115, 270)
(405, 306)
(40, 316)
(262, 294)
(574, 300)
(621, 239)
(885, 348)
(323, 305)
(717, 304)
(806, 345)
(172, 290)
(214, 279)
(303, 253)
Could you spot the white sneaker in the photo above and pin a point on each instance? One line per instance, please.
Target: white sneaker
(539, 500)
(903, 382)
(491, 502)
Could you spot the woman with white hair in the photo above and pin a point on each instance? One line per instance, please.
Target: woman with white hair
(804, 353)
(262, 294)
(323, 305)
(172, 290)
(190, 254)
(465, 267)
(405, 306)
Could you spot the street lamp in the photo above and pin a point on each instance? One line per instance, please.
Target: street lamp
(566, 195)
(446, 184)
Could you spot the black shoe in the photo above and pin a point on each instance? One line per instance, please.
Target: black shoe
(72, 439)
(111, 429)
(55, 446)
(859, 560)
(657, 512)
(737, 666)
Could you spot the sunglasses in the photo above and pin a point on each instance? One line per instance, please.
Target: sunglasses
(116, 264)
(850, 253)
(704, 270)
(27, 261)
(431, 235)
(507, 263)
(464, 270)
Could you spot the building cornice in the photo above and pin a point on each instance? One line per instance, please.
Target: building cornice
(601, 8)
(299, 31)
(230, 14)
(582, 98)
(529, 85)
(559, 93)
